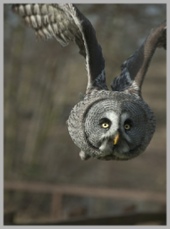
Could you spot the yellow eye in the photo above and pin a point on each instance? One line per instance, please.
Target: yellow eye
(105, 125)
(127, 126)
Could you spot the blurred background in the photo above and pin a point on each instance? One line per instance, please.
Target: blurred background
(44, 178)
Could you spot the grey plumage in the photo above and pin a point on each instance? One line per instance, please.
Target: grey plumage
(106, 125)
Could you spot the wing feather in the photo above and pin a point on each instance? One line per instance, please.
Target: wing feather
(66, 23)
(134, 69)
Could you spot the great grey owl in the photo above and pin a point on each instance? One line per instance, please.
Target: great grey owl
(107, 125)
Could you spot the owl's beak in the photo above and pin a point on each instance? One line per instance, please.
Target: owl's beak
(116, 139)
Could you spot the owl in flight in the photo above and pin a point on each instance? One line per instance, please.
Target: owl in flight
(114, 124)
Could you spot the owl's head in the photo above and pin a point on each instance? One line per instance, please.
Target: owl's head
(114, 127)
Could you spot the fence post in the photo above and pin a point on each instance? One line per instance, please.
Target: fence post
(56, 205)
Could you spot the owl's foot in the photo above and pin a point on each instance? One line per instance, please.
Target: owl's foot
(83, 155)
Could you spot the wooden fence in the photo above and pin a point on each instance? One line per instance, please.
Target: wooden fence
(58, 191)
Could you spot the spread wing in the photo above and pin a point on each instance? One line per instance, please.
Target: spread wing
(133, 70)
(66, 23)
